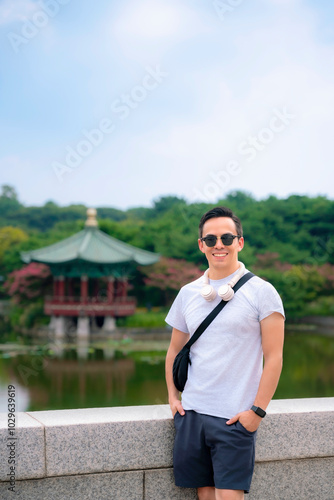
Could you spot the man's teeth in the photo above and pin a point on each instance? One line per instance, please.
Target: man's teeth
(220, 254)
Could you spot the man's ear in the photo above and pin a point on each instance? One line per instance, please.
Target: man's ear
(200, 245)
(241, 243)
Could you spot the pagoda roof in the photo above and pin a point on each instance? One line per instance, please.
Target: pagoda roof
(92, 246)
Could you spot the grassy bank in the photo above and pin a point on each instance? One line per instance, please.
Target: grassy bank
(145, 319)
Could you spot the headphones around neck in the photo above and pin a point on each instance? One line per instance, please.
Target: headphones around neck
(225, 291)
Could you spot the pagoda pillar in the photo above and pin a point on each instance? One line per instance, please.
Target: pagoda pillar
(59, 322)
(84, 288)
(109, 324)
(123, 285)
(110, 289)
(59, 327)
(55, 287)
(70, 287)
(53, 319)
(83, 329)
(61, 287)
(96, 289)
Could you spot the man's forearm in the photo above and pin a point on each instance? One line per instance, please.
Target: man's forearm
(268, 382)
(178, 340)
(173, 393)
(272, 332)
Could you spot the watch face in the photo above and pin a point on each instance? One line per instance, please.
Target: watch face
(259, 411)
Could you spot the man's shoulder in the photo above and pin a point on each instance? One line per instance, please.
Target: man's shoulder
(192, 285)
(256, 282)
(261, 291)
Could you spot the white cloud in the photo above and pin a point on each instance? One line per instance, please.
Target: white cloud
(288, 3)
(149, 19)
(156, 19)
(12, 163)
(145, 30)
(19, 10)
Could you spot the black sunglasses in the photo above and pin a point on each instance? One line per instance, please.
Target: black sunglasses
(227, 239)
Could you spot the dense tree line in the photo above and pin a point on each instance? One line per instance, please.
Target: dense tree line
(299, 228)
(288, 241)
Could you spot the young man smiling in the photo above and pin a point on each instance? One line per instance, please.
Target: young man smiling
(228, 389)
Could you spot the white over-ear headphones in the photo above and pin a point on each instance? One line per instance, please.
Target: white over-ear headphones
(225, 291)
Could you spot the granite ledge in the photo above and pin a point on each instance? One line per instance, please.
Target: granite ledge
(163, 412)
(91, 440)
(301, 405)
(83, 416)
(95, 440)
(29, 442)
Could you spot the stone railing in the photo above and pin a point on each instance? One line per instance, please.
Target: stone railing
(126, 454)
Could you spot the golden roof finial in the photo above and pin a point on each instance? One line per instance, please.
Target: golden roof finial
(91, 218)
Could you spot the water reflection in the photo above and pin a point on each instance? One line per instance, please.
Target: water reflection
(82, 348)
(129, 372)
(89, 375)
(81, 375)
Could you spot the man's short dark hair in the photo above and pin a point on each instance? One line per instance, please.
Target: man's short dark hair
(220, 212)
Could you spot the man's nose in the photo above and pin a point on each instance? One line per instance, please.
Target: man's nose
(219, 242)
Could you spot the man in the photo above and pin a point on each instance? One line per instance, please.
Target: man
(215, 426)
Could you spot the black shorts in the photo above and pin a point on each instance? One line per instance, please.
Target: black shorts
(207, 452)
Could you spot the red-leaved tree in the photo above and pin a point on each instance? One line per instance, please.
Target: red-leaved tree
(169, 275)
(327, 271)
(270, 260)
(29, 282)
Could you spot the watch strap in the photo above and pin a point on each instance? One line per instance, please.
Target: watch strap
(256, 409)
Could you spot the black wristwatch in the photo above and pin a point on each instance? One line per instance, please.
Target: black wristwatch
(261, 413)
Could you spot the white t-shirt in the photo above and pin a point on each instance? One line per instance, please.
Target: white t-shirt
(227, 359)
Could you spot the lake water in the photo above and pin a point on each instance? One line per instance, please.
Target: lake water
(126, 373)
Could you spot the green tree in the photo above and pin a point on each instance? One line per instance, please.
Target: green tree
(10, 236)
(8, 192)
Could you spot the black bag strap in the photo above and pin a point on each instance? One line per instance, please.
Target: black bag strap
(206, 322)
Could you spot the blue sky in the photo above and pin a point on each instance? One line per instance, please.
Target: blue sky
(118, 103)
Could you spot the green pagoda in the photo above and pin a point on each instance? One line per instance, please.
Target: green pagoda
(79, 265)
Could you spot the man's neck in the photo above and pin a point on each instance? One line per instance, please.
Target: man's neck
(219, 274)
